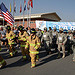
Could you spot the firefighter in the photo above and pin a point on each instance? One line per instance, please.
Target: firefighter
(65, 34)
(2, 61)
(46, 39)
(69, 41)
(23, 40)
(61, 40)
(10, 37)
(73, 42)
(54, 38)
(34, 45)
(39, 33)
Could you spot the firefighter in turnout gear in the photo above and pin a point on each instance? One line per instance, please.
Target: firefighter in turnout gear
(2, 61)
(34, 45)
(61, 40)
(46, 39)
(23, 40)
(10, 37)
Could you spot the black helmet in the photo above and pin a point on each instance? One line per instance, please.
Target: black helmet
(32, 30)
(20, 28)
(8, 28)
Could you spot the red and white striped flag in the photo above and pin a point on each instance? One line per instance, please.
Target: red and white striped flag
(6, 14)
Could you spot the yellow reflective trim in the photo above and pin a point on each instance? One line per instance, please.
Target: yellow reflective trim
(24, 57)
(36, 47)
(26, 46)
(8, 37)
(37, 56)
(2, 61)
(32, 44)
(33, 64)
(38, 43)
(0, 49)
(22, 45)
(27, 41)
(27, 37)
(24, 40)
(11, 53)
(32, 52)
(33, 31)
(11, 37)
(11, 43)
(18, 37)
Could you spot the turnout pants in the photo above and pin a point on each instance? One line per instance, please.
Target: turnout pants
(23, 50)
(60, 46)
(12, 49)
(47, 46)
(2, 61)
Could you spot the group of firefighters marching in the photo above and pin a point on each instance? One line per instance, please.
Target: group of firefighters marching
(31, 42)
(28, 44)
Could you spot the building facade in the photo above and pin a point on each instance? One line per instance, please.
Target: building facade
(31, 22)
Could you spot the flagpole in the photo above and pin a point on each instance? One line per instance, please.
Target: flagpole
(23, 18)
(30, 17)
(20, 14)
(27, 17)
(23, 15)
(13, 12)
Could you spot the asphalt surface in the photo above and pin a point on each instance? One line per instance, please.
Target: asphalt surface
(47, 65)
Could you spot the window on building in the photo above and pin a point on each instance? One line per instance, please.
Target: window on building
(31, 22)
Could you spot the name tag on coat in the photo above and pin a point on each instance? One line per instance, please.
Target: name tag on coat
(54, 34)
(44, 36)
(3, 35)
(69, 37)
(60, 38)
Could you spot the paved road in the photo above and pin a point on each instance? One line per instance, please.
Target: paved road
(47, 65)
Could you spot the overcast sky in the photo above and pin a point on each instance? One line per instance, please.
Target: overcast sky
(64, 8)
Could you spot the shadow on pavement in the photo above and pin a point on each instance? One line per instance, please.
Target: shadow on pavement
(18, 63)
(48, 59)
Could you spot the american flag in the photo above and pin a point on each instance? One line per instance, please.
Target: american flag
(6, 14)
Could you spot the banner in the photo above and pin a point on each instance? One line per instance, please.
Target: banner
(64, 25)
(40, 24)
